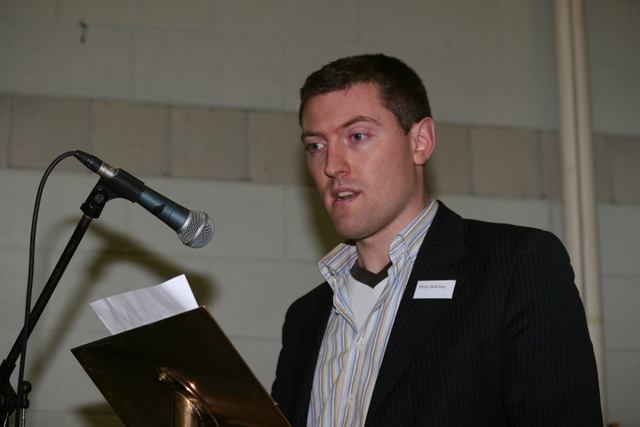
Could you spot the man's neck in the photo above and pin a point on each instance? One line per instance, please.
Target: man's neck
(373, 252)
(372, 260)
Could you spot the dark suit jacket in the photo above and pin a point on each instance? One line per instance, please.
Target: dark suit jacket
(511, 348)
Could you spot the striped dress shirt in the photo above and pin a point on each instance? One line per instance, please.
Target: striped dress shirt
(350, 356)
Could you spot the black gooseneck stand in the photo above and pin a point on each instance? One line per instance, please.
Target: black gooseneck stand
(11, 401)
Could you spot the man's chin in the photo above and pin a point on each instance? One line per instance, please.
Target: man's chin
(348, 232)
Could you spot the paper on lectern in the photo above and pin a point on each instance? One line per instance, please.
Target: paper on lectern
(132, 309)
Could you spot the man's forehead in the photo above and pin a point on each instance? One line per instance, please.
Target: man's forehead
(344, 110)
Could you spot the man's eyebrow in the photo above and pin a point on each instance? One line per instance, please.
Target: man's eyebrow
(352, 121)
(358, 119)
(307, 134)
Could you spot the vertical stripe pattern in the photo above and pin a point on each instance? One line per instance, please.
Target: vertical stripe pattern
(350, 358)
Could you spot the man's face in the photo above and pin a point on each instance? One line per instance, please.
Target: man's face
(367, 171)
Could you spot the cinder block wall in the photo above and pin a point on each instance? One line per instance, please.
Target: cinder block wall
(198, 99)
(262, 146)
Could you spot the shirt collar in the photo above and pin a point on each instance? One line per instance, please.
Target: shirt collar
(338, 262)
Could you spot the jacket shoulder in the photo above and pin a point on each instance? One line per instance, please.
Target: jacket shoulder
(507, 236)
(309, 302)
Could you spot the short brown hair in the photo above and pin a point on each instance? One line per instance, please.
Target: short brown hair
(401, 89)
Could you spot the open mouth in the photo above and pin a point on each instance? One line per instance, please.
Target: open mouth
(345, 195)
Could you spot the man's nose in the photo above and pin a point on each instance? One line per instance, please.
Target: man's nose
(336, 161)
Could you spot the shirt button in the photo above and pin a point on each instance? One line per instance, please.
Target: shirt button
(350, 400)
(360, 344)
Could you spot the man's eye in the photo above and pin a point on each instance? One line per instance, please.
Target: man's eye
(313, 147)
(358, 137)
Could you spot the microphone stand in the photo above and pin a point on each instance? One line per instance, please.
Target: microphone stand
(9, 400)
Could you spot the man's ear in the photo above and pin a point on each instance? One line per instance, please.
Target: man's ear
(424, 139)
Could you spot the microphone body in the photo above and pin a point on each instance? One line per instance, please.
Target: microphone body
(195, 229)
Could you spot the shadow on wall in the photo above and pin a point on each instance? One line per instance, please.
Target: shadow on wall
(98, 415)
(118, 248)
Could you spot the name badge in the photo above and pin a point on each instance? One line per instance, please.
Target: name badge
(434, 289)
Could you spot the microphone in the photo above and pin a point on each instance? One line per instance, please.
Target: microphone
(195, 229)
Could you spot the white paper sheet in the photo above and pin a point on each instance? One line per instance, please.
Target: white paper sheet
(136, 308)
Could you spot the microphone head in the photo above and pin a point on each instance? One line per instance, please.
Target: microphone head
(197, 231)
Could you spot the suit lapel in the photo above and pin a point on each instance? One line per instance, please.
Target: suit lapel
(416, 318)
(311, 333)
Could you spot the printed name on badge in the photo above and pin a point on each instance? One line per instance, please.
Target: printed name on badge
(434, 289)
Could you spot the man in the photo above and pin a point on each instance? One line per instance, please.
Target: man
(425, 318)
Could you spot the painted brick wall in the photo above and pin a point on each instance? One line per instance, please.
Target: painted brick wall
(198, 98)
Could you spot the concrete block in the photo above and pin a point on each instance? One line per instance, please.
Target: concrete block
(460, 26)
(17, 190)
(13, 277)
(44, 128)
(612, 29)
(203, 69)
(526, 27)
(302, 57)
(619, 239)
(620, 296)
(275, 151)
(481, 59)
(623, 379)
(134, 137)
(39, 9)
(207, 143)
(551, 165)
(602, 165)
(625, 157)
(256, 294)
(5, 128)
(191, 14)
(288, 18)
(449, 168)
(248, 218)
(505, 162)
(64, 59)
(493, 89)
(527, 212)
(615, 94)
(60, 210)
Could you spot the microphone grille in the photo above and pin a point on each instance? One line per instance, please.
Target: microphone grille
(197, 231)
